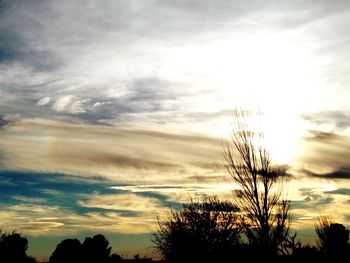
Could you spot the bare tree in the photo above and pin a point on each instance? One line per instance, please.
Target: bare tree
(264, 213)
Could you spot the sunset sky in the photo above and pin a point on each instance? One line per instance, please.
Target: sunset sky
(111, 111)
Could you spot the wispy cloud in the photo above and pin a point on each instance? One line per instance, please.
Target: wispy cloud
(182, 192)
(335, 118)
(55, 204)
(118, 154)
(123, 202)
(343, 173)
(325, 153)
(166, 74)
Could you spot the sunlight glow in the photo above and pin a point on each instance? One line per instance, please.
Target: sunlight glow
(269, 75)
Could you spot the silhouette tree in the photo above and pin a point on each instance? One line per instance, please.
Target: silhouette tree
(115, 258)
(13, 248)
(68, 251)
(200, 231)
(93, 250)
(306, 252)
(264, 214)
(332, 238)
(96, 250)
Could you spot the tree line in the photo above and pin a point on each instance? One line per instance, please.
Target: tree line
(96, 249)
(205, 231)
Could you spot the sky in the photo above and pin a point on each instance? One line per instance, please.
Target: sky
(112, 111)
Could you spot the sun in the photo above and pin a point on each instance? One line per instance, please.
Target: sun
(282, 135)
(271, 75)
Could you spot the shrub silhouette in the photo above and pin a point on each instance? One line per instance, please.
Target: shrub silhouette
(13, 249)
(200, 231)
(93, 250)
(306, 252)
(333, 238)
(68, 251)
(115, 258)
(96, 250)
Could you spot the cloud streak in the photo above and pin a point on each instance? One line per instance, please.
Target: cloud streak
(123, 155)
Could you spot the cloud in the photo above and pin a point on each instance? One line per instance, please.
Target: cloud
(14, 49)
(326, 153)
(341, 191)
(52, 204)
(30, 200)
(314, 197)
(70, 104)
(176, 193)
(123, 202)
(43, 101)
(164, 188)
(322, 136)
(340, 119)
(147, 71)
(39, 220)
(343, 173)
(3, 122)
(56, 204)
(120, 154)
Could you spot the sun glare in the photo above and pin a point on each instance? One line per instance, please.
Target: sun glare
(269, 75)
(282, 137)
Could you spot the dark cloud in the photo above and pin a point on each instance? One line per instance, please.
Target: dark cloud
(143, 96)
(341, 191)
(342, 173)
(327, 150)
(341, 119)
(211, 178)
(122, 161)
(8, 46)
(312, 199)
(322, 136)
(13, 48)
(3, 122)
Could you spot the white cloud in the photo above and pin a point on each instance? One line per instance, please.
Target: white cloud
(33, 200)
(126, 202)
(44, 101)
(70, 104)
(182, 192)
(40, 220)
(97, 105)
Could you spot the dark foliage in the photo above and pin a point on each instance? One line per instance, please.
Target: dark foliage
(68, 251)
(333, 238)
(115, 258)
(93, 250)
(13, 249)
(201, 231)
(306, 252)
(96, 250)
